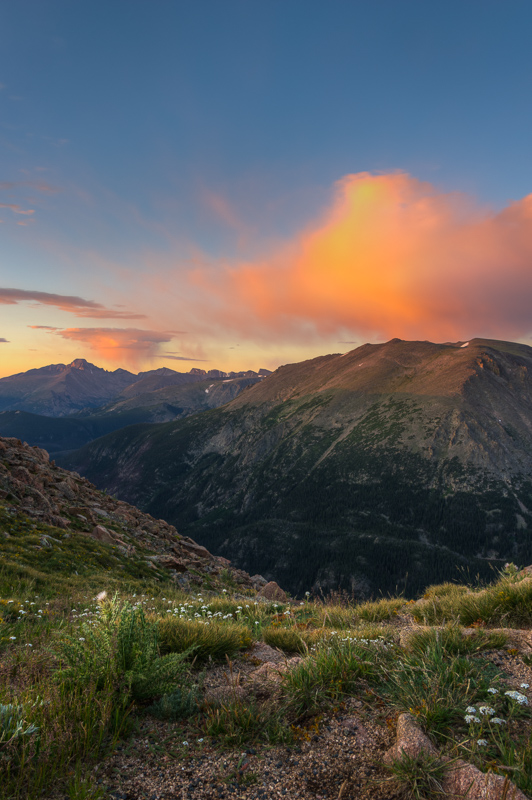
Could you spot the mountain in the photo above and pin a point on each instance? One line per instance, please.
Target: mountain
(60, 390)
(389, 466)
(60, 434)
(62, 525)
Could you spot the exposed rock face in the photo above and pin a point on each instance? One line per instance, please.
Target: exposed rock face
(32, 486)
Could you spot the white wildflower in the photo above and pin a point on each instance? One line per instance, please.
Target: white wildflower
(486, 711)
(492, 691)
(525, 686)
(482, 742)
(498, 721)
(518, 697)
(471, 710)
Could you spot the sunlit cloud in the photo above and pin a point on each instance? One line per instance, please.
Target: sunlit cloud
(391, 256)
(4, 341)
(131, 345)
(74, 305)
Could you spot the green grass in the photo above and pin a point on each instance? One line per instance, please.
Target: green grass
(76, 674)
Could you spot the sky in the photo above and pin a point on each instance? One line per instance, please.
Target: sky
(238, 184)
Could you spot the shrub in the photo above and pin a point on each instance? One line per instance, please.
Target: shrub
(122, 646)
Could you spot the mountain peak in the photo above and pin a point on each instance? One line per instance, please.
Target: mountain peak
(82, 363)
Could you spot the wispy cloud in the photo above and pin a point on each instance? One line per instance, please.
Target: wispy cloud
(43, 328)
(4, 341)
(183, 358)
(16, 209)
(74, 305)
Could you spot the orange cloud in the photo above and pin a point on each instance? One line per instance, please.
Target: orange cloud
(392, 256)
(129, 345)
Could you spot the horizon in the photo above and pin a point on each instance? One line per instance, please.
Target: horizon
(260, 184)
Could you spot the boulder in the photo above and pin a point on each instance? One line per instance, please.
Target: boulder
(272, 591)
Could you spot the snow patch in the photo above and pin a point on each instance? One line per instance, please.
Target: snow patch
(464, 345)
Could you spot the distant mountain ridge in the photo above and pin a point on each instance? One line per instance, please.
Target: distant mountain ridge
(389, 466)
(59, 390)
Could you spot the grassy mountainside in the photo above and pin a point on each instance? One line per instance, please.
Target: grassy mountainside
(389, 466)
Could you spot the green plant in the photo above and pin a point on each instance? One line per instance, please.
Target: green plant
(122, 645)
(419, 777)
(330, 673)
(214, 639)
(237, 723)
(453, 640)
(434, 686)
(183, 702)
(13, 725)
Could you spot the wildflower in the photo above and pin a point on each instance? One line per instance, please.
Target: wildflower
(498, 721)
(524, 686)
(29, 645)
(469, 718)
(13, 637)
(486, 711)
(81, 639)
(185, 744)
(101, 596)
(200, 740)
(492, 691)
(518, 697)
(471, 710)
(482, 742)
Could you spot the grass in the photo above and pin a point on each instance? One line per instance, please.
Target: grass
(77, 673)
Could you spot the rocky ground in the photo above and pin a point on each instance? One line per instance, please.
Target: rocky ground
(342, 756)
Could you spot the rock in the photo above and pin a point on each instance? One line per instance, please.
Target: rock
(101, 534)
(410, 740)
(272, 591)
(197, 549)
(465, 780)
(171, 562)
(258, 581)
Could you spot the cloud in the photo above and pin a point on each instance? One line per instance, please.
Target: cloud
(183, 358)
(119, 344)
(43, 327)
(74, 305)
(390, 256)
(16, 209)
(4, 341)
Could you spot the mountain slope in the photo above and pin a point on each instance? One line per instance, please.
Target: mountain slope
(391, 465)
(60, 434)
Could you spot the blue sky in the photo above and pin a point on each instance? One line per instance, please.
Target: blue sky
(150, 140)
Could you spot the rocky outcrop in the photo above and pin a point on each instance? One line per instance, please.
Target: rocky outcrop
(33, 486)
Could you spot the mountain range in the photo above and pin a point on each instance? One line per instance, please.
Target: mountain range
(58, 390)
(391, 466)
(109, 400)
